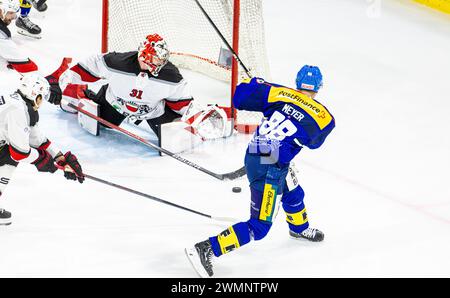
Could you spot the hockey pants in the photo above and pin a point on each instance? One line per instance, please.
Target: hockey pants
(7, 167)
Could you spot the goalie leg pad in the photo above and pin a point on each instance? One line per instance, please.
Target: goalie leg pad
(87, 123)
(166, 118)
(72, 95)
(177, 137)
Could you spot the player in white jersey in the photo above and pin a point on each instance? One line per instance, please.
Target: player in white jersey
(140, 86)
(21, 140)
(9, 50)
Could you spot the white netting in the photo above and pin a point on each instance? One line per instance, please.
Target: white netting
(191, 39)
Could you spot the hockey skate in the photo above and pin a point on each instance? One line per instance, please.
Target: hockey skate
(40, 5)
(5, 217)
(309, 234)
(200, 257)
(26, 27)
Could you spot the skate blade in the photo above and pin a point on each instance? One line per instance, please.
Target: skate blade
(26, 33)
(5, 222)
(193, 258)
(304, 240)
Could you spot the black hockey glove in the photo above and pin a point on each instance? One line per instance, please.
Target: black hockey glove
(55, 90)
(45, 163)
(72, 168)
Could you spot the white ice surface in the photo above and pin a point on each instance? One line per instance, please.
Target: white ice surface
(378, 188)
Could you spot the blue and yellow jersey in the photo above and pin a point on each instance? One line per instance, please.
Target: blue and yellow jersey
(291, 119)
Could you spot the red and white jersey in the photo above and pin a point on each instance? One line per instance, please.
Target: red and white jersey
(20, 130)
(131, 91)
(13, 55)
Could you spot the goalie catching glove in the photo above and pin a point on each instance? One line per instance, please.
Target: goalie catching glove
(210, 122)
(199, 123)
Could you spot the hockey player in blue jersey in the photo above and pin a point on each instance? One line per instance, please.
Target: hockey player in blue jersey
(293, 119)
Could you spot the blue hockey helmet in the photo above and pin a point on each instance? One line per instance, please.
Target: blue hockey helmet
(309, 78)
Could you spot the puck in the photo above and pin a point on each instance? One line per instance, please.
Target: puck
(236, 189)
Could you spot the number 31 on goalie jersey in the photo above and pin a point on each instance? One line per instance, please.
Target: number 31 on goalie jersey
(136, 93)
(277, 127)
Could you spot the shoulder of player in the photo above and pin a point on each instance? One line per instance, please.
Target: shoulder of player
(14, 105)
(298, 93)
(12, 99)
(328, 111)
(169, 73)
(22, 108)
(124, 62)
(127, 62)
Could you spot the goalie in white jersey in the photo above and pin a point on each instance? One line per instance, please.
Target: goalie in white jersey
(141, 86)
(21, 140)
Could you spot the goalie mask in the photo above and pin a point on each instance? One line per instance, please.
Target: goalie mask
(154, 53)
(34, 88)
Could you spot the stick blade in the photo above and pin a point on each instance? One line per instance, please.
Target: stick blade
(235, 175)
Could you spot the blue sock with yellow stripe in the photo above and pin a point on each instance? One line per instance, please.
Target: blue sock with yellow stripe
(294, 207)
(298, 222)
(230, 239)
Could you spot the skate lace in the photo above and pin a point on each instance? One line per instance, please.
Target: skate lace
(209, 257)
(309, 233)
(29, 23)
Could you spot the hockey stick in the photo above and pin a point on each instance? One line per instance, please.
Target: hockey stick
(158, 199)
(228, 176)
(141, 194)
(247, 71)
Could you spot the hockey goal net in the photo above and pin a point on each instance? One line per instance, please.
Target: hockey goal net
(192, 40)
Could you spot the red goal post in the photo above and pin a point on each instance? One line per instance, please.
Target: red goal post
(193, 42)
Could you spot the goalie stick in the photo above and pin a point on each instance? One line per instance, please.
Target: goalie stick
(228, 176)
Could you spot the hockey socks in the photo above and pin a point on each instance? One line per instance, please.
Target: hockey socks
(230, 239)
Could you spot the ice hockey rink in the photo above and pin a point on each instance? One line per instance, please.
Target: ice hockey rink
(378, 188)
